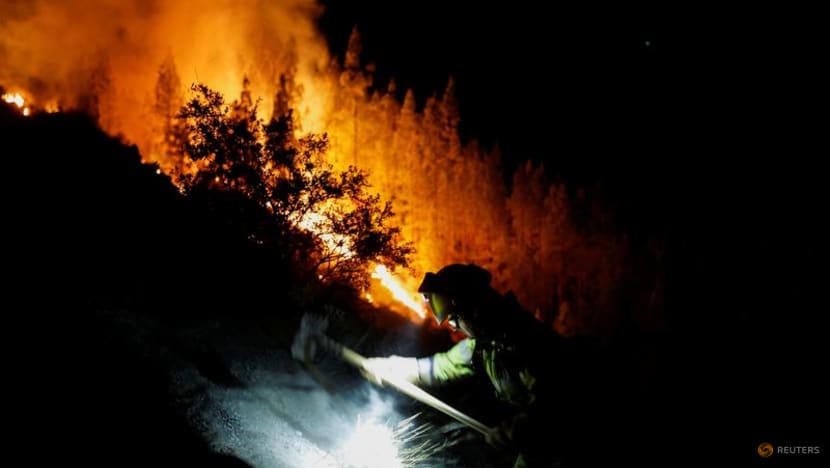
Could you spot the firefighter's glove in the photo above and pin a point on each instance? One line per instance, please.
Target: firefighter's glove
(509, 433)
(499, 436)
(378, 370)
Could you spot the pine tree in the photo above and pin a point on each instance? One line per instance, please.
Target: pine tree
(169, 99)
(450, 119)
(95, 101)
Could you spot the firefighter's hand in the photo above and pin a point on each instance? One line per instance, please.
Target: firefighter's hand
(498, 437)
(509, 433)
(376, 370)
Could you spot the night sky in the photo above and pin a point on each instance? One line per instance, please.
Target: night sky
(563, 66)
(595, 89)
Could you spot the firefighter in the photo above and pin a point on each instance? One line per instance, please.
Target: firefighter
(502, 341)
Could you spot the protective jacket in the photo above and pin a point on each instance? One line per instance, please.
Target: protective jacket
(512, 381)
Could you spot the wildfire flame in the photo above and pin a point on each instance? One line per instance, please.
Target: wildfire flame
(340, 244)
(449, 197)
(398, 291)
(25, 105)
(110, 59)
(17, 100)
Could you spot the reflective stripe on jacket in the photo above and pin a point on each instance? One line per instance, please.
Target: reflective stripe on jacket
(510, 378)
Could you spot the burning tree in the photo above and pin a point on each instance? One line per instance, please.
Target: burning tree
(326, 220)
(168, 131)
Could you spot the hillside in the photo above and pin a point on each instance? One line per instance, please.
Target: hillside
(143, 327)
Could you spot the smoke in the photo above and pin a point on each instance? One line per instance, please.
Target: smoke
(104, 55)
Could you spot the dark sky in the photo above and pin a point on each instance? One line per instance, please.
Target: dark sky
(589, 85)
(510, 63)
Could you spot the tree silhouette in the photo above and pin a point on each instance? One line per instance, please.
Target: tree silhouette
(326, 220)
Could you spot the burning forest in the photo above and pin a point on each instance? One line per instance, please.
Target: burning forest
(136, 66)
(211, 200)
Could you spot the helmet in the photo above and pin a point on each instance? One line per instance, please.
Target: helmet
(453, 284)
(440, 305)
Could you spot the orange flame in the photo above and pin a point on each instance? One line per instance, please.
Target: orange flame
(19, 101)
(109, 62)
(14, 98)
(398, 291)
(25, 105)
(340, 244)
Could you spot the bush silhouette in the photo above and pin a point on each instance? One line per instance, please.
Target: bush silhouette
(288, 195)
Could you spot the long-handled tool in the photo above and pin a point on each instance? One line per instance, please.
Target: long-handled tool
(311, 337)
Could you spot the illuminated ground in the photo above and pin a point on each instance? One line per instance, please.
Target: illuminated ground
(247, 398)
(223, 392)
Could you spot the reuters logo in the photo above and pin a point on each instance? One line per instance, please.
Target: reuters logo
(765, 450)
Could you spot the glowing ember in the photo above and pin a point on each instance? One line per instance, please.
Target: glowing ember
(398, 291)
